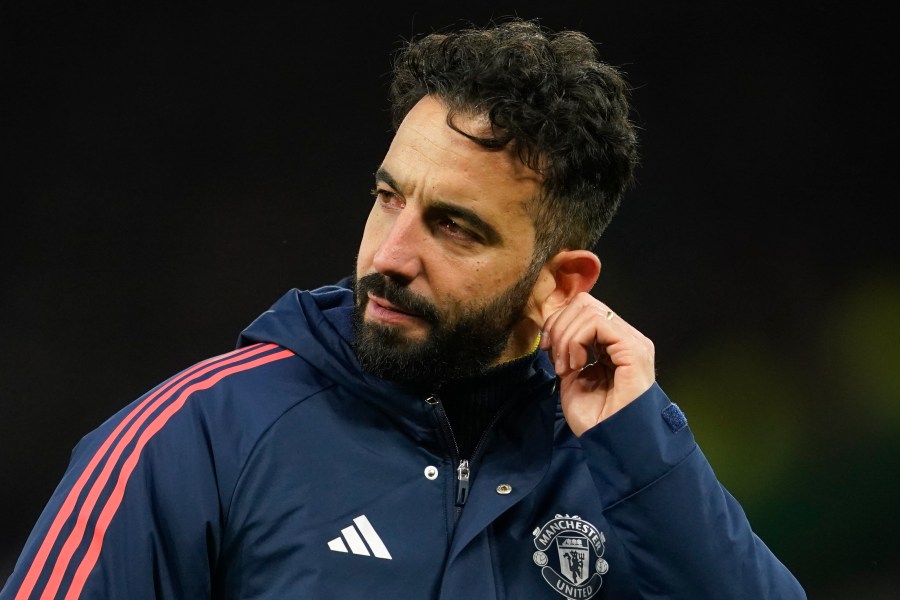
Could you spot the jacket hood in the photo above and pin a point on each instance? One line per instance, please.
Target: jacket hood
(317, 326)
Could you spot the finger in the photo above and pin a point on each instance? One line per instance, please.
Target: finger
(580, 342)
(560, 318)
(558, 331)
(574, 336)
(549, 323)
(592, 332)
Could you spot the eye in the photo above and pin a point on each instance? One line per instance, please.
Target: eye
(454, 230)
(387, 198)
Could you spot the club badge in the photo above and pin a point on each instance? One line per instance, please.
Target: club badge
(570, 554)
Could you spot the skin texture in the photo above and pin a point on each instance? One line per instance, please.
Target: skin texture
(449, 222)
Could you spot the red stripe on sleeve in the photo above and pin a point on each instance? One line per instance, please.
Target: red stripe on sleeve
(71, 500)
(115, 499)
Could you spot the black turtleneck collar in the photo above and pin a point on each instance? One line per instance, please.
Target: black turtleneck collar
(472, 403)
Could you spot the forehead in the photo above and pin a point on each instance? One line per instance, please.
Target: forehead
(431, 161)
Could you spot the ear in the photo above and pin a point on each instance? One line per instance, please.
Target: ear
(563, 277)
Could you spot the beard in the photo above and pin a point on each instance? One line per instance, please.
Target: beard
(460, 342)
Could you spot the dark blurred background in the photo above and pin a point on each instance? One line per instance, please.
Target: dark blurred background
(169, 172)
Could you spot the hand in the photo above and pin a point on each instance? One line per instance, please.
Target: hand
(586, 330)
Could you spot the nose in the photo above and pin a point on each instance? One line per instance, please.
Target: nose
(399, 255)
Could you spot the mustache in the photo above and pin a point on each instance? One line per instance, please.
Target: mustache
(398, 295)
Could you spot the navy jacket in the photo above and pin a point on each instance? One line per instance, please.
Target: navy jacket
(281, 470)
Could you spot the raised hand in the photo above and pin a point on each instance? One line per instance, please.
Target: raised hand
(603, 362)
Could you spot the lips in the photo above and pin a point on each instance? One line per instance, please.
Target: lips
(382, 299)
(390, 306)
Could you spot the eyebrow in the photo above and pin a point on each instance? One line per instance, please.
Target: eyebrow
(490, 234)
(382, 175)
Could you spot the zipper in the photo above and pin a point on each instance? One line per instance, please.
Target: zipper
(462, 483)
(464, 468)
(462, 465)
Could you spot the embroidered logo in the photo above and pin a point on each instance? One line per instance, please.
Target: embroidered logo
(357, 546)
(567, 548)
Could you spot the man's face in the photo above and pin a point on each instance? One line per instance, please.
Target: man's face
(444, 271)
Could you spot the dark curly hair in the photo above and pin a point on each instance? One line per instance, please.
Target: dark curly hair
(565, 111)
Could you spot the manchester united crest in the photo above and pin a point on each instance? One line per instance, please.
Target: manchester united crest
(570, 554)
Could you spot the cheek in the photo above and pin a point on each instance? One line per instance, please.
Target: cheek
(476, 282)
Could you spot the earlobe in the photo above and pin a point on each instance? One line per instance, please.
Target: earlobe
(566, 275)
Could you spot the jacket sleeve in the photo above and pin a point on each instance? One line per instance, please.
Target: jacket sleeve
(687, 537)
(134, 516)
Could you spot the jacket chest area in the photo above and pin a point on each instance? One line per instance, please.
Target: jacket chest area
(337, 511)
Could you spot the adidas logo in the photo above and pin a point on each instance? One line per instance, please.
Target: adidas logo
(352, 534)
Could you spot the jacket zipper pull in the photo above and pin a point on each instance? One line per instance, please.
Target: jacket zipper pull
(462, 489)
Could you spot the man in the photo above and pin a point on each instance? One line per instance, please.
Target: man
(461, 420)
